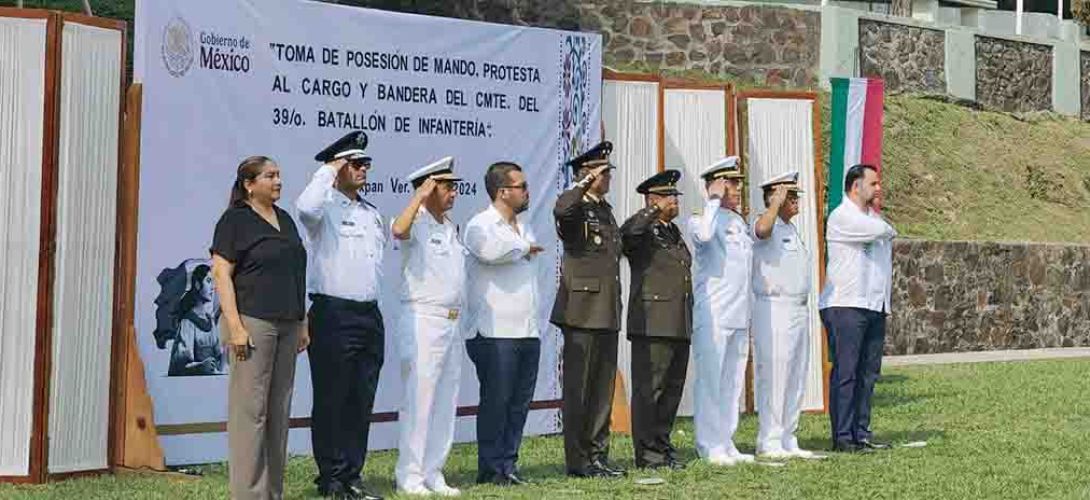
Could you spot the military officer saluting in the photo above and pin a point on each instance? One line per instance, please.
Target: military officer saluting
(347, 241)
(722, 268)
(430, 348)
(588, 311)
(781, 319)
(660, 308)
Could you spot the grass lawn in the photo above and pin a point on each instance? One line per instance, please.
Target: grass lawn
(995, 430)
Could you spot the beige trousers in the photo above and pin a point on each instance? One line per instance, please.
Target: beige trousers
(259, 404)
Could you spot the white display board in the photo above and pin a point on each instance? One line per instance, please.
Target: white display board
(225, 79)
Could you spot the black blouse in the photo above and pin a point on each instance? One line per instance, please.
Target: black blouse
(270, 266)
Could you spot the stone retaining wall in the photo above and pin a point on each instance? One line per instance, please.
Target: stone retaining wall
(906, 57)
(976, 296)
(1013, 76)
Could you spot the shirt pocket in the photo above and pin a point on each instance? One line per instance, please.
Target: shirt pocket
(348, 228)
(789, 245)
(436, 246)
(587, 285)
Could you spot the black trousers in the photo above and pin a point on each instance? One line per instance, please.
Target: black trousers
(346, 355)
(590, 370)
(507, 371)
(856, 338)
(658, 370)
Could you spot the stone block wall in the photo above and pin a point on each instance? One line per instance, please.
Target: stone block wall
(1013, 76)
(974, 296)
(908, 58)
(771, 45)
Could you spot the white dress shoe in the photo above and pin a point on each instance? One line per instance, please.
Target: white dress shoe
(440, 487)
(742, 458)
(722, 460)
(805, 454)
(414, 490)
(774, 454)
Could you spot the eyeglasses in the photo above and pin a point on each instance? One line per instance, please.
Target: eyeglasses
(522, 186)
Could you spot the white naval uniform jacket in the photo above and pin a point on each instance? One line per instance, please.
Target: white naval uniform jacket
(781, 264)
(433, 265)
(722, 268)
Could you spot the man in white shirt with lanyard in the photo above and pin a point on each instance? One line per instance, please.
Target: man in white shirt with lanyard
(504, 329)
(781, 319)
(346, 239)
(429, 347)
(722, 267)
(854, 305)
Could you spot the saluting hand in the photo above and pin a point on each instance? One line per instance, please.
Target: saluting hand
(338, 164)
(718, 189)
(426, 189)
(663, 204)
(597, 172)
(779, 195)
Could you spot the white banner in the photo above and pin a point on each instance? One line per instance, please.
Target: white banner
(225, 79)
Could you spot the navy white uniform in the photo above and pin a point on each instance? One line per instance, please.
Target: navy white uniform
(429, 343)
(722, 267)
(781, 329)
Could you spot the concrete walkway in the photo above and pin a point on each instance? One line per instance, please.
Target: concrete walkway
(987, 356)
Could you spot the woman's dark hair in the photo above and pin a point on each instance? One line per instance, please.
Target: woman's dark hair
(196, 285)
(856, 173)
(248, 170)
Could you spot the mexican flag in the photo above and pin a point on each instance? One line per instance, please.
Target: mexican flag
(856, 130)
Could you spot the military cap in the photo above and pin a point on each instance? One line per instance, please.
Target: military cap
(349, 147)
(597, 153)
(789, 179)
(727, 168)
(664, 183)
(442, 170)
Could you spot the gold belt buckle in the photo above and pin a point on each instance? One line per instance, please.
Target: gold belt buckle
(452, 314)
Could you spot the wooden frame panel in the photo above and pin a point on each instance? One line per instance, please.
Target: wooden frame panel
(123, 185)
(43, 344)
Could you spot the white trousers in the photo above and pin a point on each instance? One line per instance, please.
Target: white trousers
(719, 356)
(781, 351)
(431, 356)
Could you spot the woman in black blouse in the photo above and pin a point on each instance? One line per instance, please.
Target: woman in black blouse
(259, 268)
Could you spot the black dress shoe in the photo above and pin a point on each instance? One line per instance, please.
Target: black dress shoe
(610, 471)
(873, 445)
(668, 464)
(326, 488)
(358, 491)
(500, 480)
(486, 478)
(849, 447)
(336, 491)
(592, 470)
(514, 479)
